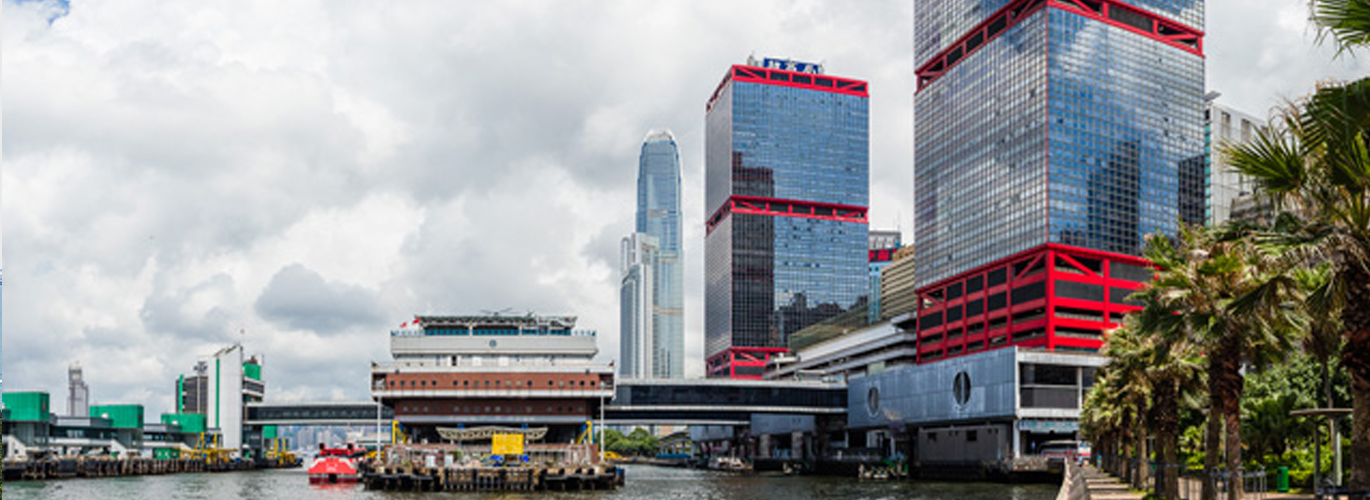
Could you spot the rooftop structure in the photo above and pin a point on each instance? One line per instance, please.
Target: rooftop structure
(455, 371)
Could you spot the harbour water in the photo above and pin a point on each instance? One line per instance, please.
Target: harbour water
(643, 483)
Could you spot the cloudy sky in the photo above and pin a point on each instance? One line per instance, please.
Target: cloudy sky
(304, 176)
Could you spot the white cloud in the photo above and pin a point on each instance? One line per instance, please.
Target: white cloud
(165, 164)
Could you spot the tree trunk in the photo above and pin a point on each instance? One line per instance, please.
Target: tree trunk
(1230, 387)
(1125, 457)
(1167, 424)
(1356, 358)
(1213, 436)
(1142, 462)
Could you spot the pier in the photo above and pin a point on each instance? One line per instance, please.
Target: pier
(90, 467)
(454, 478)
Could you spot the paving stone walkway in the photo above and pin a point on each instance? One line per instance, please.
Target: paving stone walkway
(1103, 486)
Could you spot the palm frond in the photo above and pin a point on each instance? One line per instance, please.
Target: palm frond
(1345, 21)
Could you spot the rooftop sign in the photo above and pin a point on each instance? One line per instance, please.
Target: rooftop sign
(787, 65)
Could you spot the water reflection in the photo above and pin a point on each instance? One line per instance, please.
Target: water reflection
(643, 483)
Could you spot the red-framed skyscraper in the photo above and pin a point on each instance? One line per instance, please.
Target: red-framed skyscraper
(1049, 135)
(787, 187)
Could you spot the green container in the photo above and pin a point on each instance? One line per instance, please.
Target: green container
(268, 432)
(191, 423)
(1282, 480)
(120, 416)
(28, 406)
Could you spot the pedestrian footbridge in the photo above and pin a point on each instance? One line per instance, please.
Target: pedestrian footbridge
(719, 401)
(331, 413)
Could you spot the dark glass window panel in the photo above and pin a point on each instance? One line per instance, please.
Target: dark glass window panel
(1029, 292)
(997, 277)
(1129, 272)
(1080, 291)
(997, 301)
(932, 320)
(974, 41)
(1040, 374)
(1130, 18)
(953, 314)
(1121, 296)
(975, 284)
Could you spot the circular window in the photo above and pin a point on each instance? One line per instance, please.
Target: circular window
(873, 400)
(960, 389)
(493, 344)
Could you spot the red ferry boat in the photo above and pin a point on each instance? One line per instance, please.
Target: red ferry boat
(336, 465)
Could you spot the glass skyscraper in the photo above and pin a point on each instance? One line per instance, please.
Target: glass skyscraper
(639, 255)
(1049, 138)
(786, 190)
(653, 333)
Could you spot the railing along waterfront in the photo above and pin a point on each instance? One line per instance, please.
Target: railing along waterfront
(1151, 476)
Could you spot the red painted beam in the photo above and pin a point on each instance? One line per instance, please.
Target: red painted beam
(777, 207)
(1161, 29)
(1157, 28)
(976, 38)
(786, 78)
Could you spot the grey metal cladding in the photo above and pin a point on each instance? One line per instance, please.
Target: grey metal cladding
(925, 394)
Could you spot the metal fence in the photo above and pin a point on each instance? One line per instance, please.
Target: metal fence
(1151, 476)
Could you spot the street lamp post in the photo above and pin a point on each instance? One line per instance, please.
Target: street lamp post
(1330, 413)
(601, 427)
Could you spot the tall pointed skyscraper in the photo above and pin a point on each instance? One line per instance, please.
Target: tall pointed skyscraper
(654, 338)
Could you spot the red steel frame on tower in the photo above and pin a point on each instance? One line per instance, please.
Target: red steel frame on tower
(1111, 12)
(732, 358)
(953, 321)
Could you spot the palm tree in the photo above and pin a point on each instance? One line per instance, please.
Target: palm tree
(1235, 305)
(1175, 375)
(1126, 349)
(1314, 163)
(1113, 408)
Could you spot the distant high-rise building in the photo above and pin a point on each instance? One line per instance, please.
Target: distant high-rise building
(658, 216)
(787, 185)
(220, 388)
(897, 292)
(640, 254)
(78, 394)
(1223, 185)
(1049, 137)
(883, 245)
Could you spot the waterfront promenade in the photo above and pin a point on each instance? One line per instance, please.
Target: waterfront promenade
(1099, 485)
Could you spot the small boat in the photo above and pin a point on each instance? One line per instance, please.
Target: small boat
(336, 465)
(729, 464)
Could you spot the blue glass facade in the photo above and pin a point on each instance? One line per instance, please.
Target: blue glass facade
(980, 133)
(658, 215)
(1063, 129)
(798, 149)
